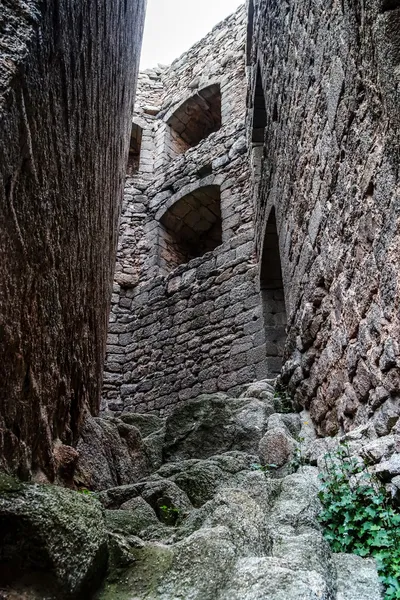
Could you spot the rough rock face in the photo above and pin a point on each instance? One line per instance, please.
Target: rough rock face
(49, 530)
(67, 80)
(330, 77)
(118, 451)
(204, 523)
(211, 527)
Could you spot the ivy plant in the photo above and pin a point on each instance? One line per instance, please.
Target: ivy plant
(358, 516)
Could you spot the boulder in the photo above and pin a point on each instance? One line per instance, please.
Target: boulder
(55, 531)
(133, 520)
(235, 510)
(215, 424)
(266, 578)
(264, 389)
(111, 453)
(212, 524)
(290, 422)
(357, 578)
(147, 424)
(388, 469)
(163, 492)
(202, 479)
(387, 416)
(380, 449)
(276, 448)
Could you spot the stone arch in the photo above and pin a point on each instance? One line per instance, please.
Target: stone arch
(250, 27)
(259, 111)
(135, 146)
(273, 297)
(190, 226)
(194, 119)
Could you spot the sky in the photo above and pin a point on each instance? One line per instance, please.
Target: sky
(173, 26)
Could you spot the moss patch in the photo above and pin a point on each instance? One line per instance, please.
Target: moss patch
(142, 579)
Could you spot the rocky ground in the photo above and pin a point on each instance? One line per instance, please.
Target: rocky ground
(183, 510)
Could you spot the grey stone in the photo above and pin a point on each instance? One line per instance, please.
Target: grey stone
(211, 425)
(276, 447)
(357, 578)
(111, 452)
(387, 416)
(261, 578)
(55, 530)
(388, 469)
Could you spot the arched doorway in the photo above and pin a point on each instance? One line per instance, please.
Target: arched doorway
(273, 297)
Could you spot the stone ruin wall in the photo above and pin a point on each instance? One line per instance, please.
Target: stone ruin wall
(67, 82)
(330, 75)
(179, 330)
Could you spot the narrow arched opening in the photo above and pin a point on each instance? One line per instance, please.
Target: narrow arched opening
(250, 27)
(194, 120)
(273, 297)
(135, 145)
(259, 112)
(191, 227)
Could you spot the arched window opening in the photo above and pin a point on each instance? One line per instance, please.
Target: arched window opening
(259, 112)
(273, 298)
(195, 119)
(134, 149)
(191, 227)
(250, 27)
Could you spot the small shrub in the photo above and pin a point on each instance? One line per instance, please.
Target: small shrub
(85, 492)
(298, 459)
(169, 514)
(358, 518)
(284, 401)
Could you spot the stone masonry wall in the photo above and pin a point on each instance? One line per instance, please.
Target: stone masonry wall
(330, 75)
(178, 330)
(67, 81)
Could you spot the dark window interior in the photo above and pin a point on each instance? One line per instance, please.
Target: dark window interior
(273, 297)
(192, 226)
(195, 119)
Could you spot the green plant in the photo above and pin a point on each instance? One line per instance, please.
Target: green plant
(169, 514)
(85, 492)
(358, 517)
(263, 468)
(284, 401)
(298, 459)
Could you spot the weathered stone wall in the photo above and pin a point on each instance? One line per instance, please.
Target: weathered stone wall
(67, 80)
(178, 330)
(330, 76)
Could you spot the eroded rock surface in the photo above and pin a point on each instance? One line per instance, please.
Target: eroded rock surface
(67, 81)
(53, 541)
(209, 524)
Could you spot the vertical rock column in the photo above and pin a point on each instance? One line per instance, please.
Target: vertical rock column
(67, 81)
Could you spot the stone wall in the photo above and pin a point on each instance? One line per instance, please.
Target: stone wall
(67, 80)
(186, 312)
(330, 79)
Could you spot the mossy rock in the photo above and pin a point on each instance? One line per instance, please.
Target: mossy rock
(147, 424)
(143, 579)
(55, 530)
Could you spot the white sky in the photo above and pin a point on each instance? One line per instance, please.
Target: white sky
(173, 26)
